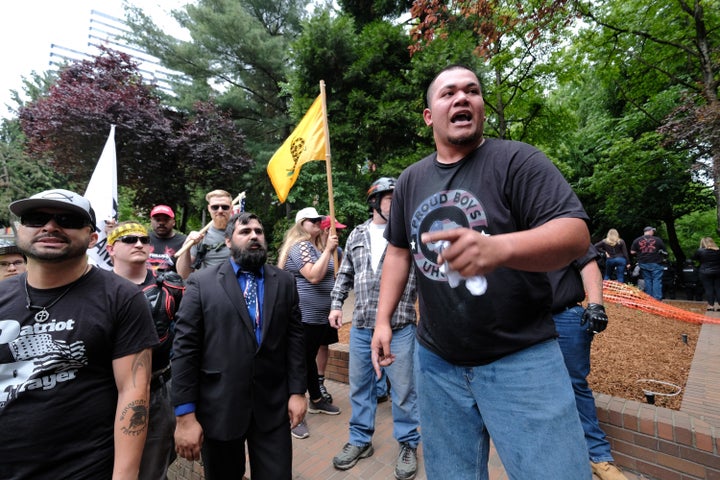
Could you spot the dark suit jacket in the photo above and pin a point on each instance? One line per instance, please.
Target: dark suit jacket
(216, 361)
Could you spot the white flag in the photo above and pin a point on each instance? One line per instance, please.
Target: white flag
(103, 196)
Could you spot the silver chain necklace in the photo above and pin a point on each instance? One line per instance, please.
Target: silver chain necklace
(43, 313)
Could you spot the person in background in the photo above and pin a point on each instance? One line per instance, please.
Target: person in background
(75, 371)
(360, 271)
(617, 259)
(164, 240)
(239, 362)
(650, 251)
(129, 247)
(708, 255)
(576, 327)
(12, 261)
(481, 220)
(304, 254)
(331, 334)
(208, 248)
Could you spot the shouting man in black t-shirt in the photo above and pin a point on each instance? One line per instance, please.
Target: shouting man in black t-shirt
(480, 221)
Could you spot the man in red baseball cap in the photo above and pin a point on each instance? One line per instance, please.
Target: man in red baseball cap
(164, 240)
(325, 223)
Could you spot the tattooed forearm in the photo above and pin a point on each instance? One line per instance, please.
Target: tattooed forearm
(141, 365)
(134, 418)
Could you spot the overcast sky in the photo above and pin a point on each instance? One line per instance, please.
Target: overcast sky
(29, 27)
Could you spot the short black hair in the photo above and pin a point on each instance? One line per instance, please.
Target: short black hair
(454, 66)
(243, 218)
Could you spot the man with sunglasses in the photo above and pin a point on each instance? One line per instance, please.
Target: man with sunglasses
(129, 247)
(12, 261)
(208, 248)
(75, 352)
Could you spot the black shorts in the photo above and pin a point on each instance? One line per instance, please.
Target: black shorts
(330, 336)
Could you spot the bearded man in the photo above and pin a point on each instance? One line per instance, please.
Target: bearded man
(238, 365)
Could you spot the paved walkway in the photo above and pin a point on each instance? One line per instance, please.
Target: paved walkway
(313, 456)
(703, 386)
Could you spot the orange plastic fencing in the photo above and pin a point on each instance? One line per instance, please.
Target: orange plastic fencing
(632, 297)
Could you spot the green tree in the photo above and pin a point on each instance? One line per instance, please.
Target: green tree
(374, 113)
(367, 11)
(238, 56)
(652, 48)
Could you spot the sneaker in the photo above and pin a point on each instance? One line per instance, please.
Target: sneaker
(323, 407)
(350, 455)
(326, 395)
(301, 431)
(607, 471)
(406, 466)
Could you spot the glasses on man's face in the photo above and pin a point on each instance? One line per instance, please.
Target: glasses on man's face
(64, 220)
(216, 207)
(133, 239)
(15, 264)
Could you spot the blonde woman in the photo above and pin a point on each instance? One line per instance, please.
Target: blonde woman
(307, 254)
(709, 257)
(616, 255)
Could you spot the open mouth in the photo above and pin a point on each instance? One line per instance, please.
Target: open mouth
(461, 118)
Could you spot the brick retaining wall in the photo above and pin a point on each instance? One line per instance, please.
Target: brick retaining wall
(657, 442)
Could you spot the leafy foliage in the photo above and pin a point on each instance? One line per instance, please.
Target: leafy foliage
(372, 120)
(368, 11)
(69, 126)
(491, 21)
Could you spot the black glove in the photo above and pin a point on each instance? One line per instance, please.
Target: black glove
(595, 317)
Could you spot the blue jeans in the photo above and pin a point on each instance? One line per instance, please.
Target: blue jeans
(616, 264)
(523, 401)
(363, 397)
(575, 343)
(652, 275)
(381, 385)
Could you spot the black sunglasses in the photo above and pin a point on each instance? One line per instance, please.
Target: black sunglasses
(224, 207)
(64, 220)
(133, 239)
(314, 220)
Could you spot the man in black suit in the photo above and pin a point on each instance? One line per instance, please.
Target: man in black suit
(238, 365)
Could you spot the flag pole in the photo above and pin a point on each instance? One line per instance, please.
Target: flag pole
(328, 169)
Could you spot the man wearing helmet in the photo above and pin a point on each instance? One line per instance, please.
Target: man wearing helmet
(360, 270)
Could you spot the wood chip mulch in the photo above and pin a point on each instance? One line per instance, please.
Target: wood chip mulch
(637, 346)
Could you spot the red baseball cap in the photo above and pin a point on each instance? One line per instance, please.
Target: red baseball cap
(325, 223)
(162, 210)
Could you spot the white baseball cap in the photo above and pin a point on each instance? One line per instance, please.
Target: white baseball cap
(307, 213)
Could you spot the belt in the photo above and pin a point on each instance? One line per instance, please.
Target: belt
(160, 377)
(568, 307)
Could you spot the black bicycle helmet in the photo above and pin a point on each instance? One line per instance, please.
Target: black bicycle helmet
(378, 187)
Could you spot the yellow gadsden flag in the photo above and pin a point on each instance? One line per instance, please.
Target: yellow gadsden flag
(305, 144)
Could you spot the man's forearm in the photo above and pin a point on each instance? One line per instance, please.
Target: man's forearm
(132, 374)
(183, 263)
(593, 282)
